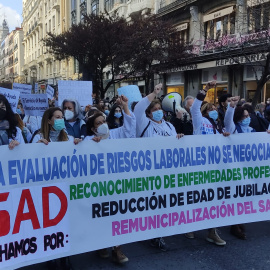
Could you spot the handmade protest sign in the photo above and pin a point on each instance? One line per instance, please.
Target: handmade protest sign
(35, 104)
(23, 88)
(50, 92)
(132, 92)
(61, 199)
(79, 90)
(12, 96)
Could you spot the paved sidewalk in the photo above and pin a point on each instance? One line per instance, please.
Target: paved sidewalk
(189, 254)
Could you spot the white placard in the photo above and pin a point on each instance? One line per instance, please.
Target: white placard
(23, 88)
(12, 96)
(79, 90)
(132, 92)
(50, 92)
(35, 104)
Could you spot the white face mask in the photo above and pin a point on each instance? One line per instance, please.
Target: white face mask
(69, 115)
(103, 130)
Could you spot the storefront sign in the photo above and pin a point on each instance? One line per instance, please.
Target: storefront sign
(242, 59)
(182, 27)
(218, 14)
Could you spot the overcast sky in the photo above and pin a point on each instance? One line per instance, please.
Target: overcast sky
(12, 10)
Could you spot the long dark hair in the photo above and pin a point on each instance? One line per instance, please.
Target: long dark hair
(91, 123)
(45, 126)
(110, 118)
(238, 114)
(10, 117)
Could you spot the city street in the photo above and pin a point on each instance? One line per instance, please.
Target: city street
(189, 254)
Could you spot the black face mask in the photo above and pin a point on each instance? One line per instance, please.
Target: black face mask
(3, 114)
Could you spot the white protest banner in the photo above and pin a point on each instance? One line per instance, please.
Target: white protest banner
(50, 92)
(63, 199)
(12, 96)
(35, 104)
(79, 90)
(23, 88)
(132, 92)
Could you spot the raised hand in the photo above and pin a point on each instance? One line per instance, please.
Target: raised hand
(234, 101)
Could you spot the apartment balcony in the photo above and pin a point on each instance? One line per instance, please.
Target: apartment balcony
(140, 5)
(40, 60)
(56, 5)
(33, 64)
(171, 5)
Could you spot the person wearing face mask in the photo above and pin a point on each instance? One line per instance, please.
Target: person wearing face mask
(115, 117)
(10, 134)
(237, 119)
(205, 122)
(149, 117)
(150, 123)
(97, 129)
(53, 128)
(74, 122)
(97, 126)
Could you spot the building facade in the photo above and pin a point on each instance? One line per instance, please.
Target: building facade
(217, 32)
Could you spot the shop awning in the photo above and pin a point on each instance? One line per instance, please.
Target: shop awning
(218, 14)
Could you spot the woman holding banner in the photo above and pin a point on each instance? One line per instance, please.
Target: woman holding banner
(205, 121)
(237, 120)
(74, 122)
(97, 129)
(53, 128)
(10, 134)
(150, 123)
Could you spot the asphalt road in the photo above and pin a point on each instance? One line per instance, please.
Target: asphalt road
(188, 254)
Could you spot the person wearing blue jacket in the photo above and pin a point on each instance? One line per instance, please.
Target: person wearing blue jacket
(75, 125)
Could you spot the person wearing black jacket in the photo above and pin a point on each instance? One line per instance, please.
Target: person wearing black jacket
(258, 123)
(183, 123)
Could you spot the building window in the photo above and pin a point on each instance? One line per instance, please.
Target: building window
(73, 4)
(109, 4)
(83, 9)
(258, 17)
(215, 29)
(94, 7)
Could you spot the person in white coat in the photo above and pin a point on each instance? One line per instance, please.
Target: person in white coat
(149, 117)
(205, 122)
(150, 123)
(98, 129)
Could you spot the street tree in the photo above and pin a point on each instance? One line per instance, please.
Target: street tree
(156, 46)
(103, 43)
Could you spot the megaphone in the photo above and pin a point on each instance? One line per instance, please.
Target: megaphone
(172, 103)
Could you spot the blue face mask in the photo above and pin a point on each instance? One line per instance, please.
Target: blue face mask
(213, 115)
(19, 111)
(157, 115)
(59, 124)
(107, 112)
(118, 115)
(245, 122)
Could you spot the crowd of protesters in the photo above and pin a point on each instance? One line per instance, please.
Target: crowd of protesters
(112, 119)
